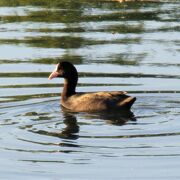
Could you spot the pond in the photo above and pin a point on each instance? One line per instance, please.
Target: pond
(128, 46)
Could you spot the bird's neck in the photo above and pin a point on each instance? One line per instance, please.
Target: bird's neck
(69, 89)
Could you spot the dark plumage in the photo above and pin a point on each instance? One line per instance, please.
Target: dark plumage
(94, 101)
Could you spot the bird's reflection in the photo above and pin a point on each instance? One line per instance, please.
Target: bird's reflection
(117, 117)
(71, 126)
(71, 129)
(69, 132)
(111, 117)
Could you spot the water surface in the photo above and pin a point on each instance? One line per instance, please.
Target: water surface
(115, 46)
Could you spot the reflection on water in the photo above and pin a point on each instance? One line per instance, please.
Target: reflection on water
(130, 46)
(69, 132)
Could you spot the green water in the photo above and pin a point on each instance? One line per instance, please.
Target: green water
(132, 47)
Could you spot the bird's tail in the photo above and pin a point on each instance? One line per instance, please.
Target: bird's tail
(127, 102)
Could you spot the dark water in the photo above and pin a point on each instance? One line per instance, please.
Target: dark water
(115, 46)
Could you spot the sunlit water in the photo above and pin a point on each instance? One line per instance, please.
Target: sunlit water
(115, 46)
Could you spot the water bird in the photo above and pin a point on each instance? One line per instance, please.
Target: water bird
(90, 101)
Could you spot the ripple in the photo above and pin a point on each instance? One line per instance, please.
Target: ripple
(23, 53)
